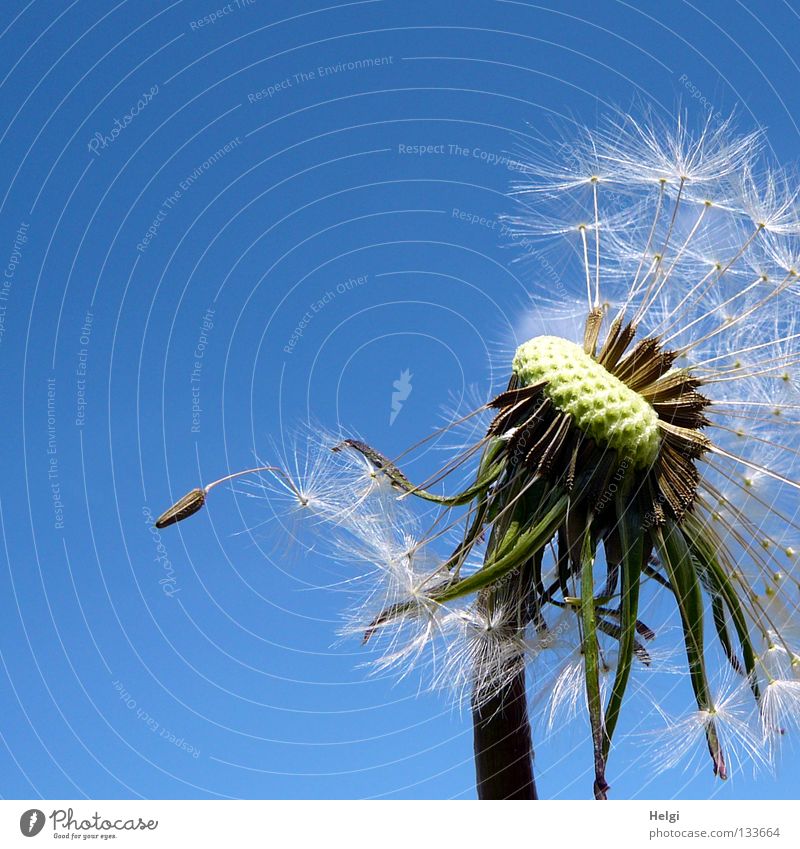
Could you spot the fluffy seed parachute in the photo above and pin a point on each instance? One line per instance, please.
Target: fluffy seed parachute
(653, 448)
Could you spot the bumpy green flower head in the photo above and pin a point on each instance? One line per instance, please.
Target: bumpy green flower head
(599, 403)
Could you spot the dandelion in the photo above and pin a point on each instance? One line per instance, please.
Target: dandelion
(680, 740)
(649, 448)
(195, 499)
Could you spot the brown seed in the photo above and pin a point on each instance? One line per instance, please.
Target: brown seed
(189, 504)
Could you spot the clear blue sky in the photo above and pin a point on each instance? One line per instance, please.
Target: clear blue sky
(157, 166)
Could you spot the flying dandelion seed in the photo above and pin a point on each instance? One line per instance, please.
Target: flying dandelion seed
(657, 447)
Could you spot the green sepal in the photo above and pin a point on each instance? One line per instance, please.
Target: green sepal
(631, 539)
(490, 469)
(719, 583)
(721, 625)
(516, 547)
(514, 550)
(681, 569)
(591, 660)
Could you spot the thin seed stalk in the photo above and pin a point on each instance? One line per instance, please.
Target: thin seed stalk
(591, 659)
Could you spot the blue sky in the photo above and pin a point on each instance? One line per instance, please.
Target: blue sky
(216, 224)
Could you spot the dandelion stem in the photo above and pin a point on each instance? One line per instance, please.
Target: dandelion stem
(503, 747)
(501, 727)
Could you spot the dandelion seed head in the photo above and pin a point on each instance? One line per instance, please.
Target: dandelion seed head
(769, 197)
(485, 650)
(599, 403)
(682, 741)
(780, 712)
(646, 438)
